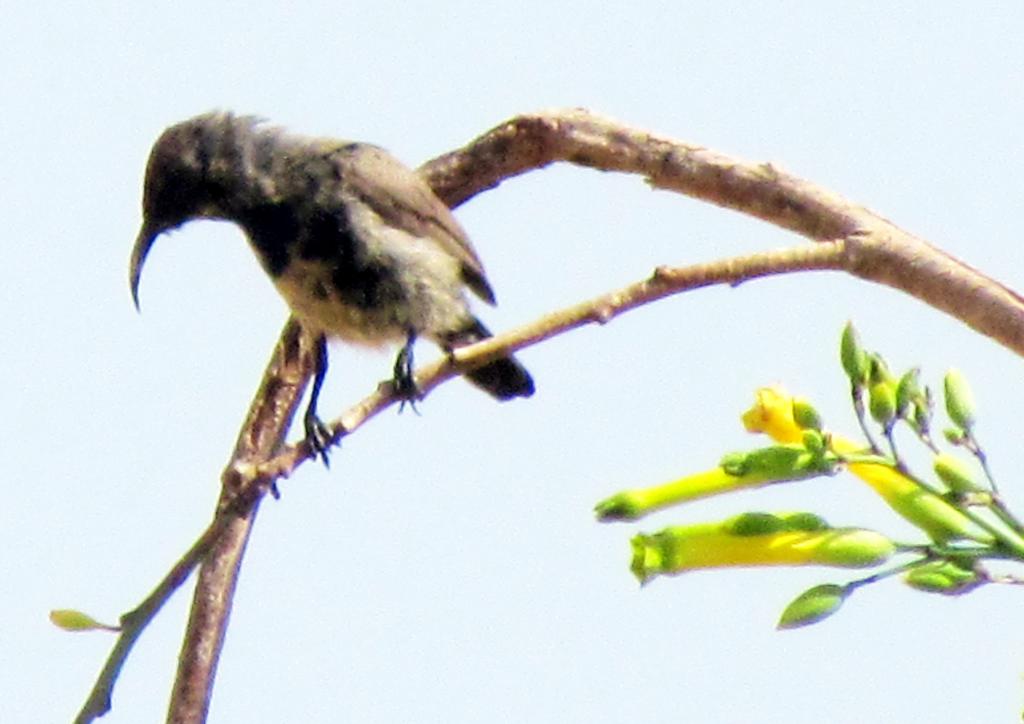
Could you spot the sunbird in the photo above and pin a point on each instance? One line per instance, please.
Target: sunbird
(358, 244)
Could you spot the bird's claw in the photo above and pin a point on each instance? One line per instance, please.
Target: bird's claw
(404, 382)
(408, 394)
(318, 437)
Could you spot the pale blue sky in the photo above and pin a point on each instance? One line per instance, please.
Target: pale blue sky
(448, 568)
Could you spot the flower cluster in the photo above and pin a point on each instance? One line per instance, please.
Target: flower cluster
(959, 512)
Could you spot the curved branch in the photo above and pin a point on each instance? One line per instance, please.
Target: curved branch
(880, 251)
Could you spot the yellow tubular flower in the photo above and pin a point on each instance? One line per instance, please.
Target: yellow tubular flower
(738, 471)
(633, 504)
(718, 545)
(772, 414)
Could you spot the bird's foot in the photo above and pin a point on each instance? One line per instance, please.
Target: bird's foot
(404, 382)
(318, 437)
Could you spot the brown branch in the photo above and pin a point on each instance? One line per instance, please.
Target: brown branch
(262, 435)
(221, 546)
(856, 241)
(878, 250)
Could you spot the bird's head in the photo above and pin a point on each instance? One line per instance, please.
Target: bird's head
(180, 185)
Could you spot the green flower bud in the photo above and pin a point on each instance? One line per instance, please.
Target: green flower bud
(805, 415)
(814, 442)
(959, 400)
(908, 391)
(955, 473)
(922, 416)
(853, 356)
(878, 370)
(882, 402)
(954, 436)
(813, 605)
(936, 517)
(945, 577)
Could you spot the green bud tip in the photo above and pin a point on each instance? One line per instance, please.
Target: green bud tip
(953, 435)
(922, 418)
(852, 356)
(812, 606)
(908, 391)
(814, 441)
(882, 402)
(945, 577)
(955, 473)
(805, 415)
(959, 401)
(879, 370)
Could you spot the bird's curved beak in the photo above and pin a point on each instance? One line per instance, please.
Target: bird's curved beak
(143, 243)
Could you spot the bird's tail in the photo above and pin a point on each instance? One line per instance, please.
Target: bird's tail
(503, 378)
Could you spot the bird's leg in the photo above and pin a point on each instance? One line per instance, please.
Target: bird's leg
(403, 380)
(317, 435)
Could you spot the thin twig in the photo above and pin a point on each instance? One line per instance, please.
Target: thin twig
(273, 406)
(135, 621)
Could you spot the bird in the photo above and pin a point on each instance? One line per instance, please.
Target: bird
(358, 244)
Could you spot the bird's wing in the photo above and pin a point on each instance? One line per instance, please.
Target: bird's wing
(403, 199)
